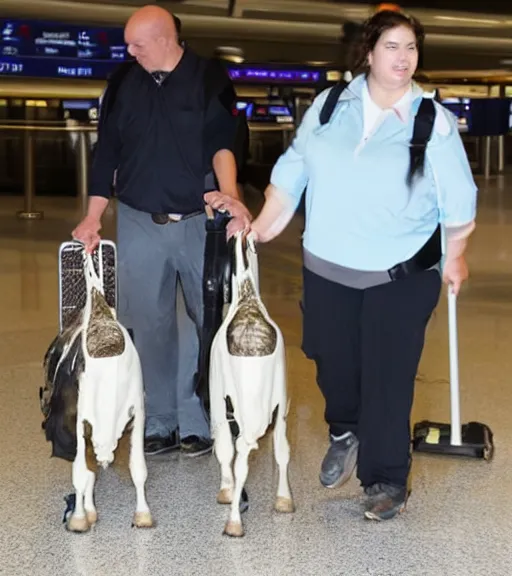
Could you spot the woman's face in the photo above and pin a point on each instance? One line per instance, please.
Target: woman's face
(394, 59)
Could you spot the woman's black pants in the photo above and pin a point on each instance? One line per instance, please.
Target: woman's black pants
(367, 345)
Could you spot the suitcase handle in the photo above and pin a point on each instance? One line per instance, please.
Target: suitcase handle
(454, 369)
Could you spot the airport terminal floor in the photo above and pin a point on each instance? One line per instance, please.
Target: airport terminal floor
(458, 520)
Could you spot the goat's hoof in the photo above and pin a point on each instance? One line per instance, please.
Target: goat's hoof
(142, 520)
(234, 529)
(225, 496)
(75, 524)
(92, 517)
(284, 505)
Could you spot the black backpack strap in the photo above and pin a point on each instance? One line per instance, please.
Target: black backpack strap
(114, 83)
(241, 143)
(331, 101)
(422, 132)
(211, 81)
(218, 83)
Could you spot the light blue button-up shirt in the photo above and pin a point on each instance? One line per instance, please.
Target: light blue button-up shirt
(360, 213)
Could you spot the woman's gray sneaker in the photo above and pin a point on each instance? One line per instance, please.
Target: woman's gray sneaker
(340, 461)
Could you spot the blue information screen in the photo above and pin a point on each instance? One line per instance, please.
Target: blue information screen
(52, 50)
(262, 75)
(57, 50)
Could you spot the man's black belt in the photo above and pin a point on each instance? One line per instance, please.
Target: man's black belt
(427, 257)
(168, 218)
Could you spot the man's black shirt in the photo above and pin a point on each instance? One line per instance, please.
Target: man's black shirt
(161, 138)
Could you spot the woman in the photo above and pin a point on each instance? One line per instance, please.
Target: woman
(367, 216)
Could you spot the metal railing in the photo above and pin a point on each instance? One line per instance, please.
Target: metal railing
(488, 155)
(82, 161)
(256, 144)
(29, 132)
(488, 140)
(490, 152)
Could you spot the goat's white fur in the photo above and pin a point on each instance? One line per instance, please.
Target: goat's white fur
(110, 395)
(256, 387)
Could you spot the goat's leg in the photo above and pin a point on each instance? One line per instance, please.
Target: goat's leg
(234, 524)
(221, 433)
(90, 508)
(284, 501)
(235, 432)
(224, 451)
(78, 519)
(139, 471)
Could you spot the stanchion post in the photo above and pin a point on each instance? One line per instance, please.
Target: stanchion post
(28, 213)
(501, 153)
(487, 158)
(285, 140)
(83, 170)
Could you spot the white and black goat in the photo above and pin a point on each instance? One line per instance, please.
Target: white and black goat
(94, 392)
(248, 369)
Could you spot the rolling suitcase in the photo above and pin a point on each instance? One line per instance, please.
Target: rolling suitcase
(218, 256)
(474, 439)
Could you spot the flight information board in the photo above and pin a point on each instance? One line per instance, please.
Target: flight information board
(58, 50)
(52, 50)
(263, 75)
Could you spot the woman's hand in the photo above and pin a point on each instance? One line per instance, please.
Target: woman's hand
(241, 217)
(455, 272)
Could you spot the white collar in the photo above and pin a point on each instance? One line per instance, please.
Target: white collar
(401, 108)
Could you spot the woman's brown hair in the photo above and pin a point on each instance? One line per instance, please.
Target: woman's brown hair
(373, 29)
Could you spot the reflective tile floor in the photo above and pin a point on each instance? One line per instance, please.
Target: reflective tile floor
(458, 522)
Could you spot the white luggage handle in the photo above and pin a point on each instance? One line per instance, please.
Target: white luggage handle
(454, 369)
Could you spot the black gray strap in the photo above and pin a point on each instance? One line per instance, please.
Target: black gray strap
(422, 132)
(331, 101)
(423, 126)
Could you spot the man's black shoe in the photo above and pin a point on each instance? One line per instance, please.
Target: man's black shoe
(154, 445)
(385, 501)
(192, 446)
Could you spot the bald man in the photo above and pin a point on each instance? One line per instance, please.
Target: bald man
(165, 132)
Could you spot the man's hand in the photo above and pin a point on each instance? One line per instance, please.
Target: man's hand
(87, 232)
(241, 217)
(455, 272)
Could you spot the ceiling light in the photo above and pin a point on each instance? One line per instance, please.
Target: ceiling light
(230, 53)
(469, 20)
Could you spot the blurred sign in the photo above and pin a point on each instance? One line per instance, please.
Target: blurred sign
(53, 49)
(253, 74)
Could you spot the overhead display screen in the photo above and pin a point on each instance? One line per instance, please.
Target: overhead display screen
(57, 50)
(253, 74)
(50, 50)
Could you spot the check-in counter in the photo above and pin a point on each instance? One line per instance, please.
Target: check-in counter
(271, 126)
(484, 125)
(268, 142)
